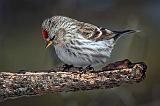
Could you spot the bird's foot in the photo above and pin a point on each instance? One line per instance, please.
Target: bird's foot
(89, 68)
(86, 69)
(81, 69)
(67, 67)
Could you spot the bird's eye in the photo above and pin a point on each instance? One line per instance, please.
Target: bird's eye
(45, 34)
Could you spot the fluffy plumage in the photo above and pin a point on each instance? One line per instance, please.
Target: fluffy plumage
(79, 43)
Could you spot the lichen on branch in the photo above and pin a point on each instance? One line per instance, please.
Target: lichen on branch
(14, 85)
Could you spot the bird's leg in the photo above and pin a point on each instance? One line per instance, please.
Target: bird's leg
(80, 69)
(85, 69)
(67, 67)
(89, 68)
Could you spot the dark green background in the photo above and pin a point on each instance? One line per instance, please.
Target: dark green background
(22, 46)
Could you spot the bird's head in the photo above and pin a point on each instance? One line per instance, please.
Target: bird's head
(48, 32)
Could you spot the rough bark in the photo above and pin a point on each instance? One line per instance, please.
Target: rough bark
(14, 85)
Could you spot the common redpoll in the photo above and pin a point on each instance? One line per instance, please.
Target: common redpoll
(78, 43)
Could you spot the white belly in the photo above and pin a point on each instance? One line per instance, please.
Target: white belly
(93, 53)
(69, 58)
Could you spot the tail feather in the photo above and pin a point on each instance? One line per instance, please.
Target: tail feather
(118, 34)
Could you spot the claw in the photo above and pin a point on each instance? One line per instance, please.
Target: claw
(89, 68)
(67, 67)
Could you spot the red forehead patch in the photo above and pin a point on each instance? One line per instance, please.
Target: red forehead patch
(45, 34)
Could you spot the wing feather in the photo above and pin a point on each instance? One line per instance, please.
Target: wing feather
(93, 32)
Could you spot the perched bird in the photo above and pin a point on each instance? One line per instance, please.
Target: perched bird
(78, 43)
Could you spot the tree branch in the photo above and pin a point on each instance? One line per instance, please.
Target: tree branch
(13, 85)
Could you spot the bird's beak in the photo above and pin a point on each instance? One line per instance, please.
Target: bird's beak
(49, 43)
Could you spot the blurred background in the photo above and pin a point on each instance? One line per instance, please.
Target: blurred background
(22, 46)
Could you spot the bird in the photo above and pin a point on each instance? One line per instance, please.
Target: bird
(78, 43)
